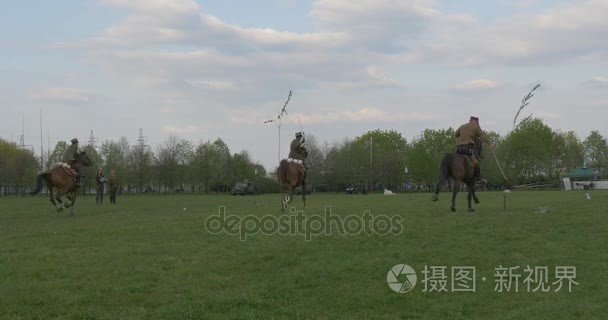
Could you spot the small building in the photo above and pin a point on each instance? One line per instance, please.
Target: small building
(582, 173)
(583, 178)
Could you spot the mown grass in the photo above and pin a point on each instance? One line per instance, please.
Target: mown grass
(147, 258)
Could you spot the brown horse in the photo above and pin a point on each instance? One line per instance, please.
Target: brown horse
(459, 168)
(63, 181)
(292, 174)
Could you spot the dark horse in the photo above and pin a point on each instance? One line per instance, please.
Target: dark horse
(459, 168)
(63, 181)
(292, 174)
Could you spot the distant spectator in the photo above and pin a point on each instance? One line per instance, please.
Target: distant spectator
(100, 180)
(113, 185)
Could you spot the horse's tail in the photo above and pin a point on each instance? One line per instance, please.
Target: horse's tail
(444, 172)
(282, 172)
(444, 167)
(43, 177)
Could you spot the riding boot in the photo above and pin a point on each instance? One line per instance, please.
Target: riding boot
(77, 183)
(477, 173)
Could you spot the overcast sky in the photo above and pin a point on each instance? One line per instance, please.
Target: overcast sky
(206, 69)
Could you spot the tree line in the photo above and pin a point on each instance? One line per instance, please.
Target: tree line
(532, 152)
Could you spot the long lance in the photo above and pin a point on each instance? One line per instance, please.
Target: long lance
(301, 130)
(498, 164)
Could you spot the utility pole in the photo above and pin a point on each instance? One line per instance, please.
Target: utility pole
(22, 144)
(92, 139)
(371, 161)
(141, 140)
(41, 144)
(279, 122)
(22, 137)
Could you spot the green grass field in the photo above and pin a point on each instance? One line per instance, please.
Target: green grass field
(147, 258)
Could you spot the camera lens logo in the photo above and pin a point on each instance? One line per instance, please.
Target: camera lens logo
(401, 278)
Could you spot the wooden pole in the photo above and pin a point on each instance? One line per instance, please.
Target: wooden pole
(371, 145)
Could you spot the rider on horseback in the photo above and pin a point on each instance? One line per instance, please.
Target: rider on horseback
(468, 142)
(69, 157)
(298, 151)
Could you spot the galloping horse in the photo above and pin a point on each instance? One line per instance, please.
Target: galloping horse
(459, 168)
(292, 174)
(62, 180)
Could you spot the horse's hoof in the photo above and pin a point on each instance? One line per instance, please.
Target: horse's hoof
(434, 197)
(453, 209)
(477, 201)
(471, 210)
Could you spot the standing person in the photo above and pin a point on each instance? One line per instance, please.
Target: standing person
(113, 185)
(100, 179)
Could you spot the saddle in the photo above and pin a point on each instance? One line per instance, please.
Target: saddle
(300, 162)
(467, 152)
(68, 168)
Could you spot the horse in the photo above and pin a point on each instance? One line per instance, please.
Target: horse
(459, 168)
(63, 181)
(292, 174)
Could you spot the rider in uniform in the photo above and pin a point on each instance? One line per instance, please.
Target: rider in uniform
(468, 142)
(297, 151)
(69, 157)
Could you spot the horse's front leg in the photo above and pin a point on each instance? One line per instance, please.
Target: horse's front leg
(285, 203)
(59, 203)
(290, 195)
(52, 196)
(471, 190)
(70, 200)
(73, 202)
(304, 194)
(475, 196)
(454, 193)
(287, 198)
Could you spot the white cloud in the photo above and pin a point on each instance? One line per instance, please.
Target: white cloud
(597, 82)
(150, 81)
(173, 129)
(61, 94)
(156, 6)
(356, 59)
(546, 115)
(368, 77)
(212, 85)
(362, 115)
(477, 84)
(564, 32)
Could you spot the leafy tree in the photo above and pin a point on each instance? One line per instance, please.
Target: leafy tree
(529, 152)
(422, 168)
(388, 149)
(203, 158)
(139, 165)
(18, 168)
(171, 160)
(57, 154)
(88, 173)
(115, 155)
(596, 151)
